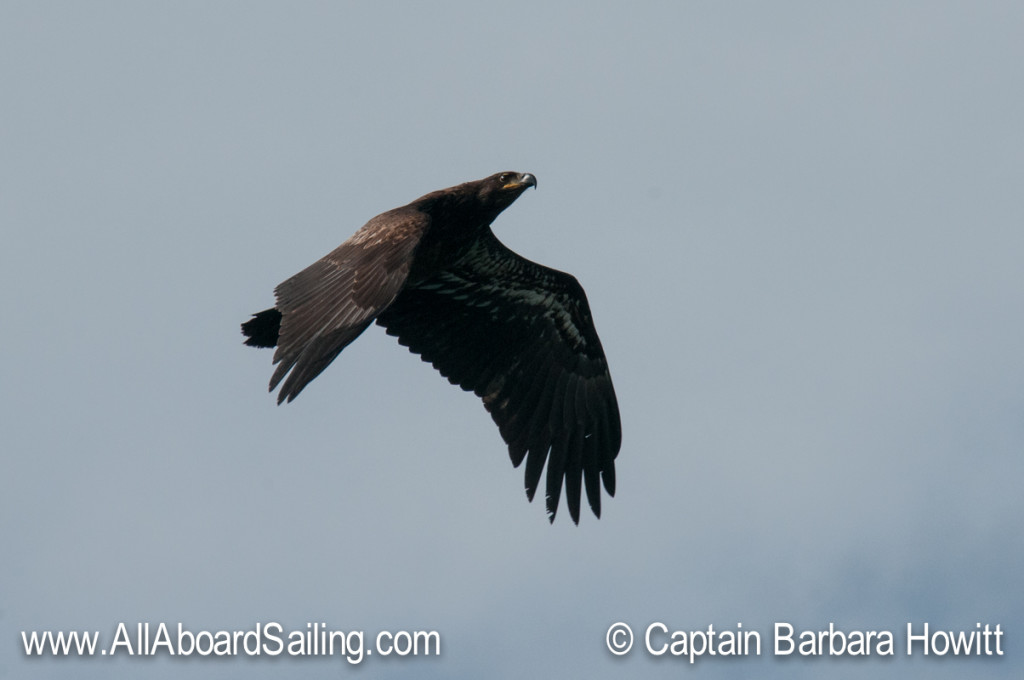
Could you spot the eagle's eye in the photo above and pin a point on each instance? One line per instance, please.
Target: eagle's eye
(505, 177)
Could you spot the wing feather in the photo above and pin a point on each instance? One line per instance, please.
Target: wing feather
(330, 303)
(521, 336)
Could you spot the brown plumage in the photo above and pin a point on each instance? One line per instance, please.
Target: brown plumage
(517, 334)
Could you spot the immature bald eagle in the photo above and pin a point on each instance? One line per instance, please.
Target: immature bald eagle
(519, 335)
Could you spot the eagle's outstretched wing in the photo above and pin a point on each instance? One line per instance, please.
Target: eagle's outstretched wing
(521, 337)
(328, 304)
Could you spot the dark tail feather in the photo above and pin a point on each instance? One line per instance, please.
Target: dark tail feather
(263, 328)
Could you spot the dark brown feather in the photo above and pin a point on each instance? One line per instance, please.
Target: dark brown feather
(520, 336)
(517, 334)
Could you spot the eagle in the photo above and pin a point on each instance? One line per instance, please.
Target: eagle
(517, 334)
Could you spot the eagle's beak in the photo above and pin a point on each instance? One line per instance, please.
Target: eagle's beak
(527, 180)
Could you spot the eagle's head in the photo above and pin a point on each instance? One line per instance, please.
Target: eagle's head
(472, 205)
(497, 192)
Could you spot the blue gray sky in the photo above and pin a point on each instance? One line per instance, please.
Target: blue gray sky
(799, 225)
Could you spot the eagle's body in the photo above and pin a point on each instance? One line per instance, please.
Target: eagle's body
(517, 334)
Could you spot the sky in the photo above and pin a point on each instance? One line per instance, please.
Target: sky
(799, 226)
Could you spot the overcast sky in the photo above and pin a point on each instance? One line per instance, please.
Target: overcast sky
(801, 230)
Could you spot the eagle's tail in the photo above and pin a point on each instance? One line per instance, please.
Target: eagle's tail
(263, 329)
